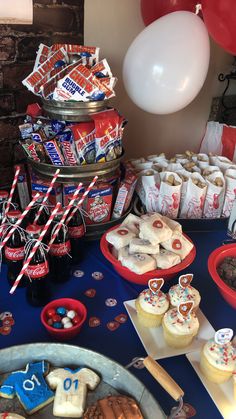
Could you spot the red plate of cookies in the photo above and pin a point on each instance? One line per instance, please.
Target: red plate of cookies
(107, 250)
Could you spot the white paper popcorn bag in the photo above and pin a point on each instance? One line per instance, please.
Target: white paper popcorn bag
(215, 195)
(160, 167)
(192, 202)
(208, 170)
(169, 194)
(147, 188)
(230, 192)
(139, 167)
(202, 160)
(173, 167)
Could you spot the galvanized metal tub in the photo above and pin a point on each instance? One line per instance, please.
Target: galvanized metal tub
(72, 174)
(115, 379)
(73, 111)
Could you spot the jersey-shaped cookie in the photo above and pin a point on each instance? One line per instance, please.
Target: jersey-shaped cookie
(71, 390)
(29, 386)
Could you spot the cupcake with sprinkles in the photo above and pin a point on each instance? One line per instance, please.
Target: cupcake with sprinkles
(218, 357)
(152, 304)
(184, 292)
(180, 325)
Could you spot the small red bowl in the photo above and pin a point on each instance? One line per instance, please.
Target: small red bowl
(215, 258)
(143, 279)
(69, 304)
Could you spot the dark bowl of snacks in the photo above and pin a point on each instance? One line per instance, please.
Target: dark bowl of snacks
(63, 318)
(222, 268)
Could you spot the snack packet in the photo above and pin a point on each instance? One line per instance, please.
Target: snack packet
(230, 192)
(106, 135)
(192, 202)
(84, 138)
(215, 195)
(169, 194)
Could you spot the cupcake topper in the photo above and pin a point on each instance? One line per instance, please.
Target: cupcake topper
(155, 284)
(185, 309)
(223, 336)
(185, 280)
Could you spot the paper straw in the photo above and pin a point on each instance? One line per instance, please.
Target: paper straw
(68, 208)
(13, 187)
(82, 199)
(35, 247)
(46, 196)
(18, 222)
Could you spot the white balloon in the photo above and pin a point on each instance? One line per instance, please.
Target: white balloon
(167, 63)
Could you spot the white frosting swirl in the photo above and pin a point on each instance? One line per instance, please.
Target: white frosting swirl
(178, 295)
(220, 356)
(179, 325)
(153, 303)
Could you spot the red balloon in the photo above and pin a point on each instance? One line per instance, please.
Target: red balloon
(153, 9)
(220, 19)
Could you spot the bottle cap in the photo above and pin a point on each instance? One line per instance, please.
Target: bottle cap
(3, 194)
(33, 229)
(14, 214)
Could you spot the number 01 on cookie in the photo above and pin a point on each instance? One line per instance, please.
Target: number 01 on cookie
(68, 383)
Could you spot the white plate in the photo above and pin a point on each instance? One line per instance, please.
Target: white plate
(153, 340)
(221, 394)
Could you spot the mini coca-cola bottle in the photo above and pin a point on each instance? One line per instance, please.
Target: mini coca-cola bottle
(76, 230)
(38, 287)
(60, 258)
(14, 250)
(43, 218)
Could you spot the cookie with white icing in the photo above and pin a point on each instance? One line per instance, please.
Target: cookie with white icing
(166, 259)
(139, 263)
(155, 229)
(120, 237)
(143, 246)
(71, 390)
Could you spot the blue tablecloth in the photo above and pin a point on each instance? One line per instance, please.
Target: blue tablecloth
(123, 344)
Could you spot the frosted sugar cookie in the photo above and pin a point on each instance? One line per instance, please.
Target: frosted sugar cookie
(218, 357)
(180, 325)
(143, 246)
(178, 244)
(183, 291)
(71, 390)
(152, 304)
(139, 263)
(120, 237)
(155, 229)
(29, 386)
(166, 259)
(132, 222)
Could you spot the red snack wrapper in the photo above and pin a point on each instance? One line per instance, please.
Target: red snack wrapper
(43, 54)
(125, 194)
(102, 69)
(38, 76)
(84, 138)
(48, 88)
(89, 54)
(98, 204)
(106, 135)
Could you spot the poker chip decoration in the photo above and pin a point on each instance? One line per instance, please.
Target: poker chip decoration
(78, 273)
(6, 323)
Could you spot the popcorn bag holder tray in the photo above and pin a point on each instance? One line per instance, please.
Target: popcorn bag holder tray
(115, 379)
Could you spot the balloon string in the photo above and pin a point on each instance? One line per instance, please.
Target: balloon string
(198, 8)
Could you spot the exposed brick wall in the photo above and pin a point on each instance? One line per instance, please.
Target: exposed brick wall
(55, 21)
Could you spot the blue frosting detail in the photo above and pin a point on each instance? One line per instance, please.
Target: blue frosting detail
(29, 386)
